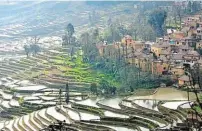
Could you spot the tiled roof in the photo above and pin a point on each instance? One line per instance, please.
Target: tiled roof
(178, 35)
(178, 67)
(195, 53)
(188, 37)
(177, 56)
(200, 61)
(139, 42)
(163, 58)
(158, 45)
(165, 52)
(166, 37)
(183, 47)
(199, 28)
(185, 29)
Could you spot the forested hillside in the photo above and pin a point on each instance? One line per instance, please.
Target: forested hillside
(21, 19)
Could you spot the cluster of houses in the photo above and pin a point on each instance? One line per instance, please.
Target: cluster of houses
(169, 55)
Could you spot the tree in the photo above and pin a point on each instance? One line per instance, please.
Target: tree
(199, 50)
(109, 22)
(67, 93)
(70, 30)
(72, 52)
(113, 90)
(189, 7)
(157, 20)
(93, 88)
(178, 14)
(104, 85)
(92, 17)
(122, 30)
(90, 52)
(112, 34)
(139, 29)
(67, 38)
(27, 50)
(32, 45)
(95, 35)
(194, 6)
(34, 48)
(35, 40)
(85, 38)
(131, 89)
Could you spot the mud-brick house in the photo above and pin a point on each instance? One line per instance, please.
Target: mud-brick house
(184, 80)
(159, 67)
(199, 45)
(192, 21)
(199, 24)
(177, 70)
(127, 40)
(177, 38)
(105, 48)
(165, 54)
(182, 42)
(140, 60)
(157, 48)
(190, 41)
(199, 33)
(130, 43)
(139, 45)
(191, 58)
(145, 62)
(192, 33)
(178, 35)
(184, 48)
(101, 47)
(200, 64)
(133, 57)
(159, 40)
(177, 58)
(185, 29)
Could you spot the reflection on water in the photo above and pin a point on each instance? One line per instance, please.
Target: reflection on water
(166, 94)
(90, 102)
(174, 105)
(120, 128)
(87, 116)
(150, 104)
(10, 56)
(186, 105)
(112, 114)
(112, 102)
(127, 103)
(74, 115)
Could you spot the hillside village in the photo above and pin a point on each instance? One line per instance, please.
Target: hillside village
(170, 55)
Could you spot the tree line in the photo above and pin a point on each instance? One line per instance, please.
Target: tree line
(32, 46)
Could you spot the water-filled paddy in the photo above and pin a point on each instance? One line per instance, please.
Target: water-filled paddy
(174, 105)
(150, 104)
(167, 94)
(30, 88)
(112, 102)
(172, 98)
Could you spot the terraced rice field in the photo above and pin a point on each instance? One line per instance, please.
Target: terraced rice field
(30, 100)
